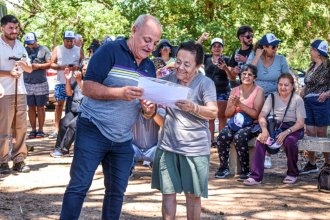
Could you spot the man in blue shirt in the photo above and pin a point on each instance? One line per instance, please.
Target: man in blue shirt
(107, 113)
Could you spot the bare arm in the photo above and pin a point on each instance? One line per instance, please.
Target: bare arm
(257, 56)
(41, 66)
(209, 111)
(258, 103)
(53, 61)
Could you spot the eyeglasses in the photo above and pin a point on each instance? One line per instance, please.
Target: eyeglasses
(273, 47)
(249, 36)
(247, 74)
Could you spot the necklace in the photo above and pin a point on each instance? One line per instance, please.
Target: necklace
(216, 61)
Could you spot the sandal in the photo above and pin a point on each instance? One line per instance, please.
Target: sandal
(290, 179)
(32, 134)
(251, 182)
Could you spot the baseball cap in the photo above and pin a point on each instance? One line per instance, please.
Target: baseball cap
(239, 120)
(321, 46)
(69, 35)
(269, 39)
(217, 40)
(30, 38)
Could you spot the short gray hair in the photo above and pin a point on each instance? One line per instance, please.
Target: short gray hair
(142, 19)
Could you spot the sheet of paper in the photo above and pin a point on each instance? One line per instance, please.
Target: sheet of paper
(162, 92)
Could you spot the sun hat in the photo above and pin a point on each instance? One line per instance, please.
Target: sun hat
(69, 35)
(321, 46)
(30, 38)
(217, 40)
(239, 120)
(162, 43)
(269, 39)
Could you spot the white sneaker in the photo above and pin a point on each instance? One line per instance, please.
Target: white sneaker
(53, 135)
(268, 162)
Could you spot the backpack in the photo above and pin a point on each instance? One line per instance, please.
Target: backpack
(323, 180)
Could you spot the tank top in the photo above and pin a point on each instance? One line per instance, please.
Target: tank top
(66, 56)
(250, 100)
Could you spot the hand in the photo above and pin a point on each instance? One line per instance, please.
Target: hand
(15, 74)
(259, 52)
(263, 136)
(148, 107)
(322, 97)
(185, 105)
(222, 65)
(234, 100)
(240, 58)
(22, 64)
(67, 73)
(131, 92)
(280, 138)
(77, 75)
(236, 70)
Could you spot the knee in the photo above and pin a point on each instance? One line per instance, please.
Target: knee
(290, 142)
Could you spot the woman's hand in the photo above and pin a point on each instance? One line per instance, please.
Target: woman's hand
(263, 136)
(67, 73)
(234, 100)
(259, 52)
(323, 97)
(77, 75)
(186, 105)
(280, 138)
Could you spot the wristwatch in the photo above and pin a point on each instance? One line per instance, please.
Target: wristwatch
(289, 130)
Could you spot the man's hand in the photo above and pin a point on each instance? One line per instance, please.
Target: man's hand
(15, 73)
(240, 58)
(131, 92)
(77, 75)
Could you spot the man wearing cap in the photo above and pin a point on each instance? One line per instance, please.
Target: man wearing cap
(64, 56)
(10, 72)
(107, 114)
(240, 56)
(36, 84)
(316, 95)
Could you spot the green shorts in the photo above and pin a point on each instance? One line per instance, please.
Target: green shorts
(174, 173)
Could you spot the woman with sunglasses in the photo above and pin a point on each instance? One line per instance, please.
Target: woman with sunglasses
(166, 51)
(215, 65)
(270, 66)
(246, 99)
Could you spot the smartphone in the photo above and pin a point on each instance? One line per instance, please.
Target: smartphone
(269, 141)
(221, 60)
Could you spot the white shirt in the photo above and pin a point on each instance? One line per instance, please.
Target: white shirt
(7, 51)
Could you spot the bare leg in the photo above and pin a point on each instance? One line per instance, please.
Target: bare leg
(32, 117)
(311, 131)
(41, 117)
(322, 132)
(193, 207)
(211, 127)
(222, 105)
(169, 206)
(58, 113)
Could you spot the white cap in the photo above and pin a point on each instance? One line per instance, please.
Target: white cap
(217, 40)
(30, 38)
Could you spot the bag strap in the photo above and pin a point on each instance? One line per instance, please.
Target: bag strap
(273, 103)
(287, 107)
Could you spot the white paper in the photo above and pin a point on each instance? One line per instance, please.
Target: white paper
(162, 92)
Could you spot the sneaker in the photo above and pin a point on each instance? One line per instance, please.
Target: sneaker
(243, 176)
(57, 153)
(53, 135)
(222, 173)
(268, 162)
(146, 163)
(4, 168)
(32, 134)
(40, 134)
(309, 168)
(21, 167)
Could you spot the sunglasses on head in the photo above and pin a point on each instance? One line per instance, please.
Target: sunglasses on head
(273, 47)
(249, 36)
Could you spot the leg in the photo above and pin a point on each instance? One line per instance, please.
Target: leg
(257, 170)
(222, 105)
(311, 131)
(193, 207)
(224, 139)
(168, 206)
(85, 161)
(211, 128)
(58, 113)
(41, 117)
(32, 111)
(322, 132)
(116, 168)
(291, 151)
(64, 124)
(68, 137)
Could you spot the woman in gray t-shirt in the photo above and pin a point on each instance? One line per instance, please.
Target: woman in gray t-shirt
(181, 161)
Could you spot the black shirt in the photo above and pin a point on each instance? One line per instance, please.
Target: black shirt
(246, 53)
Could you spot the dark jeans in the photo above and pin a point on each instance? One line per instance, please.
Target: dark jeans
(91, 148)
(66, 132)
(291, 151)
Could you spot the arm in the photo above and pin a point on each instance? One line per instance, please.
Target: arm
(209, 111)
(298, 125)
(82, 56)
(258, 103)
(53, 61)
(203, 38)
(231, 108)
(68, 75)
(42, 66)
(257, 56)
(262, 137)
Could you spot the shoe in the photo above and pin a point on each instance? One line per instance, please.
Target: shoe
(268, 162)
(58, 153)
(40, 134)
(251, 182)
(4, 168)
(290, 179)
(243, 176)
(21, 167)
(53, 135)
(32, 134)
(222, 173)
(309, 168)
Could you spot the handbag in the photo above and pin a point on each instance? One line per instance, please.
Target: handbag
(323, 180)
(273, 128)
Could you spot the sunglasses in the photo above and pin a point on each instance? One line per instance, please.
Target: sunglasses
(273, 47)
(248, 36)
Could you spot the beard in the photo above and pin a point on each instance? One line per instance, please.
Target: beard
(246, 43)
(10, 37)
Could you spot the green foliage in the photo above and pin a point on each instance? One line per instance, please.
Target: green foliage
(296, 22)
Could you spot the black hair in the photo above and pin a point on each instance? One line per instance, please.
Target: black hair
(243, 29)
(252, 68)
(8, 19)
(194, 48)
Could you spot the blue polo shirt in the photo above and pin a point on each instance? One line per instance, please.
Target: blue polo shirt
(114, 65)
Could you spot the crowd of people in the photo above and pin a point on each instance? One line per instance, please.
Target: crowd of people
(110, 124)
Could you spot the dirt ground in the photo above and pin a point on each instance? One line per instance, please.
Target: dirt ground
(38, 194)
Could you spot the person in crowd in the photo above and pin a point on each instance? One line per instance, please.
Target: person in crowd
(166, 51)
(215, 66)
(36, 84)
(68, 123)
(247, 98)
(108, 112)
(78, 40)
(93, 47)
(182, 158)
(10, 74)
(270, 66)
(291, 129)
(316, 95)
(64, 56)
(240, 56)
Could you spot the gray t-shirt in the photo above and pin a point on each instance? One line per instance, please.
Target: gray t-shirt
(267, 76)
(184, 133)
(296, 108)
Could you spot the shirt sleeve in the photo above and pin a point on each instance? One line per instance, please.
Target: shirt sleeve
(209, 91)
(47, 53)
(100, 64)
(284, 65)
(300, 108)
